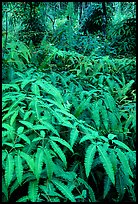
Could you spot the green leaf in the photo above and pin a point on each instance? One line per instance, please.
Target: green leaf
(26, 123)
(25, 138)
(19, 168)
(64, 190)
(121, 144)
(9, 169)
(33, 191)
(107, 186)
(17, 102)
(124, 161)
(61, 141)
(29, 160)
(23, 199)
(83, 105)
(60, 153)
(104, 157)
(35, 89)
(13, 117)
(109, 102)
(104, 117)
(20, 130)
(49, 163)
(38, 162)
(89, 156)
(73, 136)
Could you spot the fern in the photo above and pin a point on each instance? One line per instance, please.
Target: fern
(124, 161)
(64, 190)
(107, 186)
(29, 160)
(49, 163)
(63, 142)
(73, 136)
(89, 156)
(23, 199)
(121, 144)
(33, 191)
(9, 169)
(60, 153)
(19, 168)
(38, 163)
(106, 163)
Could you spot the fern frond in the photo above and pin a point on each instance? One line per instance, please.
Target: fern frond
(73, 136)
(9, 169)
(89, 156)
(49, 163)
(35, 89)
(124, 161)
(60, 153)
(107, 186)
(28, 159)
(106, 163)
(19, 168)
(64, 190)
(120, 184)
(4, 188)
(23, 199)
(104, 116)
(61, 141)
(38, 163)
(121, 144)
(33, 191)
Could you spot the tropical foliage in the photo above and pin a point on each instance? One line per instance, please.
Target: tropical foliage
(68, 108)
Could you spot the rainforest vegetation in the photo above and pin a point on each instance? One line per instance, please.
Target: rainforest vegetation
(68, 101)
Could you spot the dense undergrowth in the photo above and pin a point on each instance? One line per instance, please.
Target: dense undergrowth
(68, 123)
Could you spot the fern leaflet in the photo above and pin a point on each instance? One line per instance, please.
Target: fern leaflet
(9, 169)
(33, 190)
(106, 163)
(19, 168)
(89, 156)
(49, 163)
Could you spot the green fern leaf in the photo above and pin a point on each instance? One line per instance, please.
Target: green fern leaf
(89, 156)
(61, 141)
(14, 186)
(120, 184)
(25, 138)
(38, 163)
(19, 168)
(104, 117)
(127, 87)
(27, 114)
(64, 190)
(20, 130)
(26, 123)
(91, 192)
(17, 102)
(60, 153)
(35, 89)
(7, 86)
(33, 190)
(121, 144)
(49, 163)
(83, 105)
(113, 159)
(73, 136)
(28, 159)
(109, 102)
(7, 115)
(104, 157)
(96, 113)
(5, 189)
(23, 199)
(107, 186)
(113, 121)
(124, 161)
(9, 169)
(13, 117)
